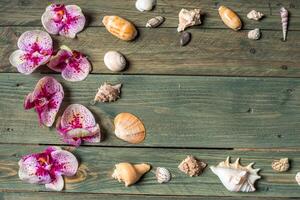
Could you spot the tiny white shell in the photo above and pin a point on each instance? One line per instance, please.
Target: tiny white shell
(281, 165)
(297, 178)
(145, 5)
(163, 175)
(254, 34)
(114, 61)
(255, 15)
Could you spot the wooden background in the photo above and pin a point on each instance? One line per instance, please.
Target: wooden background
(222, 95)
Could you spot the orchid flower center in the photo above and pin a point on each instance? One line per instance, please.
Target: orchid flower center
(41, 102)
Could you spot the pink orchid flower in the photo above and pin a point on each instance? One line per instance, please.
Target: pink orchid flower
(46, 98)
(48, 167)
(73, 65)
(78, 124)
(35, 49)
(63, 20)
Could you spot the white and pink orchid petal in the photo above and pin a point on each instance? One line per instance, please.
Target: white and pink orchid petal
(36, 41)
(57, 184)
(72, 141)
(31, 172)
(52, 18)
(93, 139)
(28, 103)
(58, 62)
(65, 162)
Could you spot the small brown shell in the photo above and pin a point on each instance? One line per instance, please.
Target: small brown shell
(163, 175)
(108, 93)
(129, 128)
(192, 166)
(281, 165)
(155, 22)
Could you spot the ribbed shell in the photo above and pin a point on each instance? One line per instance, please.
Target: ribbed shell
(281, 165)
(120, 27)
(230, 18)
(284, 21)
(163, 175)
(129, 128)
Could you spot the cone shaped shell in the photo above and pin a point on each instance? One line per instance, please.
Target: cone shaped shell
(230, 18)
(129, 128)
(120, 27)
(129, 173)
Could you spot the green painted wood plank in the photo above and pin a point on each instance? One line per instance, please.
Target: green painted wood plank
(157, 51)
(178, 111)
(15, 12)
(88, 196)
(97, 165)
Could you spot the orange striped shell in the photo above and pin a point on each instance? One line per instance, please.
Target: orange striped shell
(120, 27)
(230, 18)
(129, 128)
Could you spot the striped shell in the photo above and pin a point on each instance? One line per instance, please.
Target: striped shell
(284, 13)
(129, 128)
(163, 175)
(120, 27)
(155, 22)
(230, 18)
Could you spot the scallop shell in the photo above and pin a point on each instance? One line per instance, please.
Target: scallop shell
(188, 18)
(155, 22)
(163, 175)
(254, 34)
(120, 27)
(230, 18)
(284, 13)
(297, 178)
(192, 166)
(114, 61)
(129, 128)
(129, 173)
(255, 15)
(235, 177)
(281, 165)
(108, 93)
(145, 5)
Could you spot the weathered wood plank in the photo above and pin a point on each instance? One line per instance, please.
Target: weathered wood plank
(16, 12)
(89, 196)
(97, 164)
(178, 111)
(157, 51)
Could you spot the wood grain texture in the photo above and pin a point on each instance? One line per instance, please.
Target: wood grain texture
(21, 12)
(157, 51)
(97, 163)
(88, 196)
(178, 111)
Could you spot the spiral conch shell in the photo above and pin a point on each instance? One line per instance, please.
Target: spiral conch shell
(230, 18)
(235, 177)
(163, 175)
(284, 13)
(188, 18)
(129, 128)
(129, 173)
(120, 27)
(192, 166)
(281, 165)
(255, 15)
(108, 93)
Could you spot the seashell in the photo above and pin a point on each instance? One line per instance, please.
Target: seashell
(192, 166)
(120, 27)
(185, 38)
(254, 34)
(284, 13)
(230, 18)
(155, 22)
(188, 18)
(297, 178)
(255, 15)
(281, 165)
(145, 5)
(235, 177)
(114, 61)
(129, 128)
(163, 175)
(129, 173)
(108, 93)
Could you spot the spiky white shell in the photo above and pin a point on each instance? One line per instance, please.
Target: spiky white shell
(145, 5)
(114, 61)
(163, 175)
(254, 34)
(188, 18)
(235, 177)
(108, 93)
(255, 15)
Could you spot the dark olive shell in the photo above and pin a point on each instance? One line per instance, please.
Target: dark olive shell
(185, 38)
